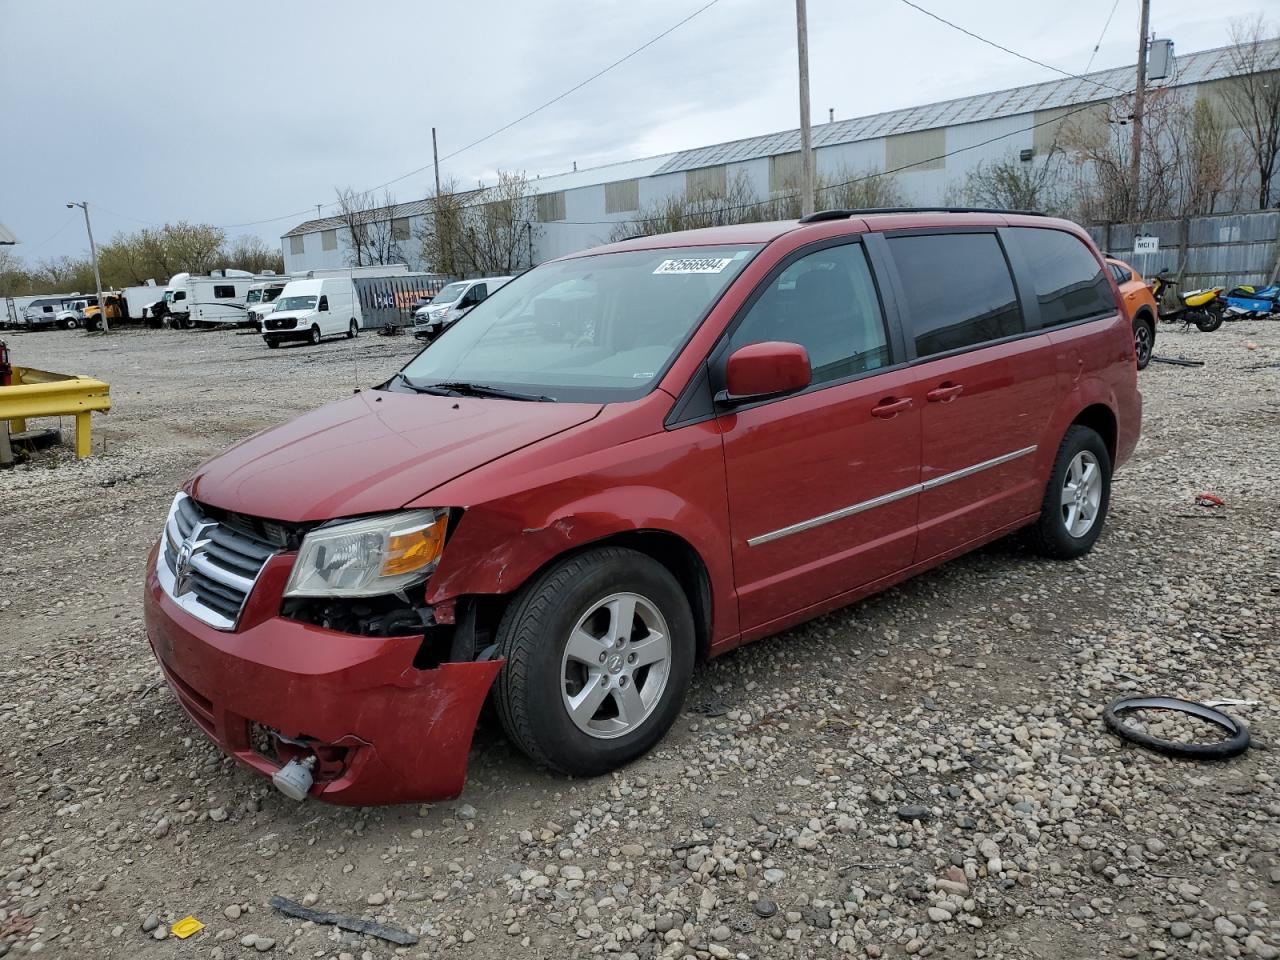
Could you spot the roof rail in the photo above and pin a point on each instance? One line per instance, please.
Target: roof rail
(824, 215)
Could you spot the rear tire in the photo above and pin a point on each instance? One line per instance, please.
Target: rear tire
(1209, 320)
(1075, 500)
(315, 334)
(580, 599)
(1144, 340)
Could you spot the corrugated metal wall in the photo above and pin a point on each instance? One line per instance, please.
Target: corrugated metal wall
(1228, 249)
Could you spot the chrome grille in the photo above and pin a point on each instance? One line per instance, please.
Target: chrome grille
(209, 566)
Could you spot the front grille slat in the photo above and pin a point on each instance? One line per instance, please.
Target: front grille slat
(222, 565)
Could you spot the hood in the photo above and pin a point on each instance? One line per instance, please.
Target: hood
(373, 452)
(295, 314)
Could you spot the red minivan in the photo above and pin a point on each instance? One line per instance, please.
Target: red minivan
(625, 461)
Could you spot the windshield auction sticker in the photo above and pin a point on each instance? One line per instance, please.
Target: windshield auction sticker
(694, 265)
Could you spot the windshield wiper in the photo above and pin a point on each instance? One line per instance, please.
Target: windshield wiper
(431, 388)
(484, 390)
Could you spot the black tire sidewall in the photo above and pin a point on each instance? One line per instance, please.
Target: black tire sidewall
(557, 739)
(1144, 324)
(1056, 540)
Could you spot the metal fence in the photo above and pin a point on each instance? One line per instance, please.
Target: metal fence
(1225, 249)
(390, 300)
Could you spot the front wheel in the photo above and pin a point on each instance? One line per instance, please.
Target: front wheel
(1076, 499)
(1144, 338)
(351, 330)
(315, 334)
(599, 653)
(69, 324)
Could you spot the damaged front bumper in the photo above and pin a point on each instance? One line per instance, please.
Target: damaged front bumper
(381, 729)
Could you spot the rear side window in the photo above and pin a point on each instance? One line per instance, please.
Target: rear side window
(827, 303)
(1068, 280)
(221, 292)
(958, 290)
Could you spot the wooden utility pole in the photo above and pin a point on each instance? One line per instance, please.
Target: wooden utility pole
(806, 142)
(435, 159)
(1139, 97)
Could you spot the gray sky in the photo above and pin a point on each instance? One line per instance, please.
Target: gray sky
(241, 111)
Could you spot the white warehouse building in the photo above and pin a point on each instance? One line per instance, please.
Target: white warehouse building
(929, 150)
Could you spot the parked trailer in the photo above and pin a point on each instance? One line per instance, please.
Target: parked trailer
(389, 300)
(211, 300)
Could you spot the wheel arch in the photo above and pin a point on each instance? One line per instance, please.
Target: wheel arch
(1101, 419)
(1144, 314)
(669, 549)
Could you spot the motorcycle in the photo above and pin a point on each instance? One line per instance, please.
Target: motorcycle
(1253, 302)
(1205, 308)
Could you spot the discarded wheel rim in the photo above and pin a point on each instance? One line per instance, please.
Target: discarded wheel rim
(1234, 745)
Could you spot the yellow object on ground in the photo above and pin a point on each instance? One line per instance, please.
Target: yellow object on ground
(186, 927)
(39, 393)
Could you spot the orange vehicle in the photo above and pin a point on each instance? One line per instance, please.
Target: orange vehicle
(1139, 305)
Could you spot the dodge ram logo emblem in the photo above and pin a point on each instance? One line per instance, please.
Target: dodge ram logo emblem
(184, 563)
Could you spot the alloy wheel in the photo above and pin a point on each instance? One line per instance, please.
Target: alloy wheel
(1142, 342)
(1081, 493)
(616, 665)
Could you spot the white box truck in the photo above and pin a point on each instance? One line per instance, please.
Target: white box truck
(311, 310)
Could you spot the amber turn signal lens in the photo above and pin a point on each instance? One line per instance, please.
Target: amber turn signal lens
(411, 550)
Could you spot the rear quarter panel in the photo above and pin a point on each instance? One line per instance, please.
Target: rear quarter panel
(1096, 365)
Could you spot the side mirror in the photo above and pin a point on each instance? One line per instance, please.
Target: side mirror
(765, 370)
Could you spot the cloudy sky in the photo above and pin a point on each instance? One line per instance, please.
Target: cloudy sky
(239, 111)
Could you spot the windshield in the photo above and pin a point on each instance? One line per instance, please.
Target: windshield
(596, 328)
(449, 294)
(253, 297)
(168, 296)
(270, 294)
(296, 303)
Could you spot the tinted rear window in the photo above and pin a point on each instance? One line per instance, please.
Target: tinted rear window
(958, 290)
(1068, 280)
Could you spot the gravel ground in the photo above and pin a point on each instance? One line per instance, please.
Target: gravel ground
(926, 773)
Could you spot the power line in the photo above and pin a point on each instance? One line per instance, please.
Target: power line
(506, 126)
(50, 237)
(1105, 27)
(1020, 56)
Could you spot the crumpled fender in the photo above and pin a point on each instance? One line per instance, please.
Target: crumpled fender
(522, 511)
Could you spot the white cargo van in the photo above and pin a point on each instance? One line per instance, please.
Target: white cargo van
(313, 309)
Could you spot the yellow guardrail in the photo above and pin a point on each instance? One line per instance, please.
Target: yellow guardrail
(39, 393)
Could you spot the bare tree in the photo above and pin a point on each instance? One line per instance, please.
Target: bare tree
(251, 253)
(372, 231)
(1252, 97)
(1015, 184)
(483, 232)
(1189, 164)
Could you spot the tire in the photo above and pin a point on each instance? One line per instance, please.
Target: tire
(1144, 340)
(1209, 320)
(273, 344)
(70, 324)
(1059, 533)
(315, 334)
(1235, 743)
(352, 330)
(533, 691)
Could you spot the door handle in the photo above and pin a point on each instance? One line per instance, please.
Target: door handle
(945, 392)
(890, 407)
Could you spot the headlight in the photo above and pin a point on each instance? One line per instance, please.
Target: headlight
(366, 558)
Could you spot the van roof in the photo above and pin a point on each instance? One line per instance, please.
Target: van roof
(877, 218)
